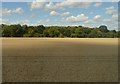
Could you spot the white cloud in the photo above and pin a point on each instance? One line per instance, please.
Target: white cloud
(86, 0)
(0, 20)
(50, 6)
(110, 10)
(4, 21)
(78, 18)
(89, 21)
(65, 14)
(44, 22)
(114, 0)
(91, 13)
(97, 4)
(54, 13)
(36, 4)
(115, 17)
(112, 21)
(97, 17)
(68, 3)
(18, 10)
(6, 11)
(48, 20)
(22, 22)
(107, 20)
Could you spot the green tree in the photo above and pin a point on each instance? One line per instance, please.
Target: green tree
(17, 30)
(103, 28)
(39, 29)
(61, 35)
(74, 35)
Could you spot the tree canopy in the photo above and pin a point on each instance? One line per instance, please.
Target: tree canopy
(18, 30)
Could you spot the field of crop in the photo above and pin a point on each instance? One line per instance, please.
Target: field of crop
(60, 59)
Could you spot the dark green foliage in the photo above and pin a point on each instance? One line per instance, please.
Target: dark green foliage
(12, 30)
(103, 28)
(61, 35)
(39, 29)
(0, 30)
(58, 31)
(74, 35)
(118, 34)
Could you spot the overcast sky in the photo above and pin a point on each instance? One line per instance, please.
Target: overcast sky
(91, 14)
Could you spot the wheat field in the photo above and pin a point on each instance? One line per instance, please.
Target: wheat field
(60, 59)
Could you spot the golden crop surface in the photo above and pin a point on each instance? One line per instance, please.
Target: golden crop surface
(60, 59)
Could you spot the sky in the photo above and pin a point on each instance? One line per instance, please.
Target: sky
(65, 13)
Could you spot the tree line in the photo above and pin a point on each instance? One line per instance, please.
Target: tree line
(18, 30)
